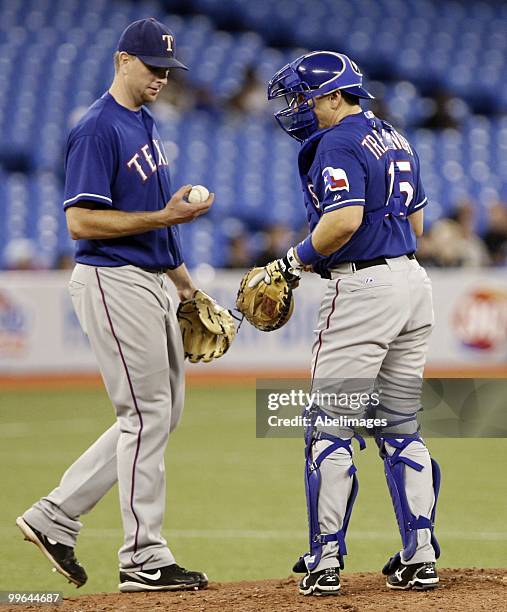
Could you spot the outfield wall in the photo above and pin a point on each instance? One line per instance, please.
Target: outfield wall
(39, 332)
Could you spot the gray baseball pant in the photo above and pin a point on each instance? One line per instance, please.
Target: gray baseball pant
(374, 325)
(132, 327)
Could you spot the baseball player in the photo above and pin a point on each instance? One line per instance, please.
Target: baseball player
(120, 210)
(364, 202)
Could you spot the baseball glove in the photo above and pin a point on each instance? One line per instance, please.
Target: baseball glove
(206, 327)
(265, 297)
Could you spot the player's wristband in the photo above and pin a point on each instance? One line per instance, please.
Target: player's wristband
(307, 253)
(292, 261)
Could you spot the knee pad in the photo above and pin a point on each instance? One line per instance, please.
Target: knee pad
(394, 467)
(310, 560)
(402, 423)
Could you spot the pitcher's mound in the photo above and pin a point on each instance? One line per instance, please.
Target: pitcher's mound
(459, 590)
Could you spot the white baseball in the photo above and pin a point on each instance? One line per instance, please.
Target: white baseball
(198, 193)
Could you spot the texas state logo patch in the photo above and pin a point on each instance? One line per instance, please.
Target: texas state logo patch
(335, 179)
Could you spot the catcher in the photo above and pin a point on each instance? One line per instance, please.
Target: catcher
(364, 201)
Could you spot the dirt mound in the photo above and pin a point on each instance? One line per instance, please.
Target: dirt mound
(459, 590)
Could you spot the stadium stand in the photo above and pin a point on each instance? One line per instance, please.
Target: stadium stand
(56, 58)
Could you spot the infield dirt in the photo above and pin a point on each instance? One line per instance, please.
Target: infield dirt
(460, 590)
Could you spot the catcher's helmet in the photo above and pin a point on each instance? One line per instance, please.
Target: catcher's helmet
(312, 75)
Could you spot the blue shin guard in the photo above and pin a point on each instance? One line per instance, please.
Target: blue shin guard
(312, 486)
(394, 467)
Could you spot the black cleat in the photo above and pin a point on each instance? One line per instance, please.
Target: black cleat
(168, 578)
(325, 582)
(418, 576)
(61, 557)
(300, 566)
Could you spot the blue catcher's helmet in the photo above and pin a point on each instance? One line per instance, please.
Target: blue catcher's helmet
(310, 76)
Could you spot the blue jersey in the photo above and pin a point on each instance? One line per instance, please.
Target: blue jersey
(363, 161)
(115, 157)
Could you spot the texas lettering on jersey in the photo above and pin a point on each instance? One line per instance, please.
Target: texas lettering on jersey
(144, 163)
(110, 157)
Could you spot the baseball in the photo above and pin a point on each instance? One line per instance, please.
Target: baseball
(198, 193)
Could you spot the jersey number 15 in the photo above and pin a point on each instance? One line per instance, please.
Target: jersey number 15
(405, 187)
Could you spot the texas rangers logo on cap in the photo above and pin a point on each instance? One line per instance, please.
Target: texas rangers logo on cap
(152, 42)
(335, 179)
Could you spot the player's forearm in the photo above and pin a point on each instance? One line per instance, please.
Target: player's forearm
(183, 282)
(103, 224)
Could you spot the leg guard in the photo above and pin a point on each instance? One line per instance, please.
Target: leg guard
(395, 466)
(312, 487)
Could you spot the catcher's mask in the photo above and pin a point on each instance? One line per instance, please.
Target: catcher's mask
(308, 77)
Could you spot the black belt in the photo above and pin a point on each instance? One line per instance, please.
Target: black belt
(378, 261)
(155, 271)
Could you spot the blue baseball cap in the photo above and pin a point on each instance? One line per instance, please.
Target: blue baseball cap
(152, 42)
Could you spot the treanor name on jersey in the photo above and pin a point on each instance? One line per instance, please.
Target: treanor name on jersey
(144, 163)
(374, 143)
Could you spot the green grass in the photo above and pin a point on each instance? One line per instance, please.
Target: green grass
(235, 504)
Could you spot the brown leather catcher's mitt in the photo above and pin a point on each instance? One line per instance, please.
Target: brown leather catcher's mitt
(265, 297)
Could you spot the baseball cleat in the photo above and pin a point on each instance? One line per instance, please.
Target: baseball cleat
(418, 576)
(325, 582)
(168, 578)
(60, 556)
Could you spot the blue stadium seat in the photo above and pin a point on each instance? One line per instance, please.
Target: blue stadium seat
(63, 51)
